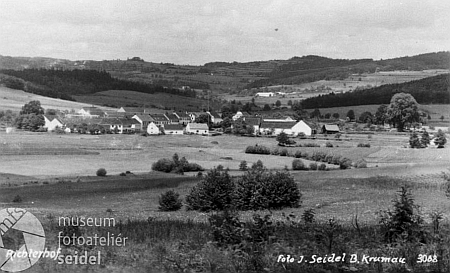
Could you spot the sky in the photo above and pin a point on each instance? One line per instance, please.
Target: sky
(200, 31)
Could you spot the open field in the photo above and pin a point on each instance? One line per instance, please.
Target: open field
(54, 176)
(158, 101)
(12, 99)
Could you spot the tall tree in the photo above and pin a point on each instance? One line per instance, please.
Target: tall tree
(33, 107)
(403, 110)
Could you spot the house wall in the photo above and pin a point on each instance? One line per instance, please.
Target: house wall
(152, 129)
(173, 132)
(302, 127)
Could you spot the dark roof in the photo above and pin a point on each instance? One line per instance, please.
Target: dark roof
(215, 114)
(198, 126)
(173, 127)
(182, 115)
(331, 127)
(159, 117)
(172, 117)
(278, 125)
(252, 121)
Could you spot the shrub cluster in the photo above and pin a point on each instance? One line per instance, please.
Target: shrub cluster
(176, 165)
(170, 201)
(297, 164)
(364, 145)
(328, 144)
(312, 144)
(257, 189)
(257, 149)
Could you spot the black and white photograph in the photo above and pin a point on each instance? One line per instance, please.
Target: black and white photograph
(227, 136)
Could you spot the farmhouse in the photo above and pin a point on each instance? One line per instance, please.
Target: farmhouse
(160, 119)
(91, 112)
(215, 117)
(144, 120)
(288, 127)
(173, 119)
(330, 129)
(173, 129)
(133, 110)
(183, 118)
(253, 121)
(153, 129)
(264, 94)
(51, 122)
(197, 128)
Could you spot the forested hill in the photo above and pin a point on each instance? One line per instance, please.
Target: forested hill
(427, 91)
(305, 69)
(65, 83)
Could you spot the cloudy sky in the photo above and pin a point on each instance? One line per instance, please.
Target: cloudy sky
(200, 31)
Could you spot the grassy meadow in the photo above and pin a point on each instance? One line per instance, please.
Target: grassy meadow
(54, 175)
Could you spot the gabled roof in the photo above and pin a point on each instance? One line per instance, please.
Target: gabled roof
(53, 117)
(277, 124)
(331, 127)
(172, 117)
(214, 114)
(135, 110)
(178, 127)
(145, 117)
(198, 126)
(159, 117)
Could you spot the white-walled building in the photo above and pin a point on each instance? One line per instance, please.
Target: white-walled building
(197, 128)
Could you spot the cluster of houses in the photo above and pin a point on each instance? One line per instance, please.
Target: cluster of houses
(139, 120)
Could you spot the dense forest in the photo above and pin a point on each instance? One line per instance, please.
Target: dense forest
(427, 91)
(314, 68)
(65, 83)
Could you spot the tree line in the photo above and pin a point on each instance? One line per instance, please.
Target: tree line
(429, 90)
(65, 83)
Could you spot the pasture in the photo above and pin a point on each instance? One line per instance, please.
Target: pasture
(55, 176)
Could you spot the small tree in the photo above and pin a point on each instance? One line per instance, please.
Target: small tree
(282, 138)
(278, 103)
(414, 141)
(440, 139)
(336, 115)
(101, 172)
(442, 118)
(351, 115)
(425, 140)
(243, 166)
(170, 201)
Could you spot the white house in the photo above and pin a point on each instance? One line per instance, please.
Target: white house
(302, 127)
(197, 128)
(264, 94)
(52, 122)
(173, 129)
(153, 129)
(288, 127)
(144, 120)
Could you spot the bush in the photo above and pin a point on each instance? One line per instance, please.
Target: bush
(264, 189)
(214, 192)
(329, 158)
(345, 163)
(336, 159)
(328, 144)
(17, 199)
(176, 165)
(364, 145)
(284, 152)
(313, 166)
(361, 164)
(101, 172)
(311, 145)
(297, 164)
(298, 154)
(163, 165)
(275, 151)
(322, 167)
(257, 149)
(170, 201)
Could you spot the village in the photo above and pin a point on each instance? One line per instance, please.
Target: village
(132, 120)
